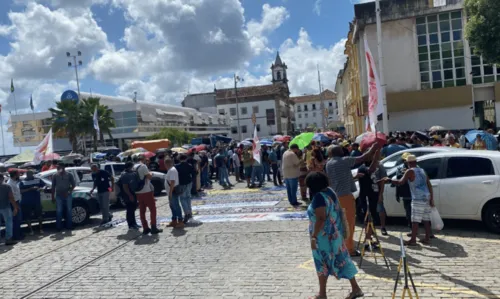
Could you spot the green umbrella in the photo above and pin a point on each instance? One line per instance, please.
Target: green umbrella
(302, 140)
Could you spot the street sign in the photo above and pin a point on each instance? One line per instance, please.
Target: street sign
(69, 95)
(254, 118)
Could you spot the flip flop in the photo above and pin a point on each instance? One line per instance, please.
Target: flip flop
(355, 295)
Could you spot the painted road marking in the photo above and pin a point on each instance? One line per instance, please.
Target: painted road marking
(236, 205)
(309, 265)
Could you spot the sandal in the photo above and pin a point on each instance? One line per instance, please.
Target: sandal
(408, 243)
(355, 295)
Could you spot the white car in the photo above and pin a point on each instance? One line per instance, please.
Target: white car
(465, 184)
(395, 159)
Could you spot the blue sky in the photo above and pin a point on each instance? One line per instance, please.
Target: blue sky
(163, 49)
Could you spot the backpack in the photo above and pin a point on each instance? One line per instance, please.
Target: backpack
(140, 183)
(135, 184)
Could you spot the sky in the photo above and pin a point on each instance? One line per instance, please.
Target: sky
(164, 49)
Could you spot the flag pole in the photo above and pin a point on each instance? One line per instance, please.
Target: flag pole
(385, 121)
(15, 109)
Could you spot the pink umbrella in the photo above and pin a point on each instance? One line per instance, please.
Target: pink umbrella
(51, 156)
(148, 155)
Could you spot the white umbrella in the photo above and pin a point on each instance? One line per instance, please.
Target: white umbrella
(437, 128)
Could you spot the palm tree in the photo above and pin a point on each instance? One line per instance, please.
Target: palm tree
(67, 117)
(105, 119)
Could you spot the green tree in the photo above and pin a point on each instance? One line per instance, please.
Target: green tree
(483, 28)
(175, 136)
(67, 117)
(105, 119)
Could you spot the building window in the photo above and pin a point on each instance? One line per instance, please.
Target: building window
(243, 129)
(314, 114)
(300, 115)
(300, 126)
(234, 130)
(270, 117)
(258, 127)
(305, 107)
(305, 115)
(330, 104)
(232, 111)
(298, 108)
(222, 112)
(441, 50)
(244, 110)
(278, 75)
(255, 109)
(483, 72)
(313, 107)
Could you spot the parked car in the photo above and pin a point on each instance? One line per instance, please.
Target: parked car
(84, 205)
(465, 184)
(395, 160)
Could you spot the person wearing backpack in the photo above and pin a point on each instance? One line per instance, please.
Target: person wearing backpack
(128, 184)
(145, 198)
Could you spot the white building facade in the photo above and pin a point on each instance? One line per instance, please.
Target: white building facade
(431, 75)
(310, 110)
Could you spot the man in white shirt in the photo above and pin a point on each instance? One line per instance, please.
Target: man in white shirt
(171, 187)
(13, 182)
(145, 197)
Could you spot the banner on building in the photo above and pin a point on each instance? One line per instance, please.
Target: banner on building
(375, 106)
(44, 148)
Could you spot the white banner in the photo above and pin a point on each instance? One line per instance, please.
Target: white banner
(256, 145)
(44, 148)
(375, 106)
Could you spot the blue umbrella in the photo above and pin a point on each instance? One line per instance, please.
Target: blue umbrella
(489, 139)
(321, 138)
(266, 142)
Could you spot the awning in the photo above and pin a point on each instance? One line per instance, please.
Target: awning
(182, 114)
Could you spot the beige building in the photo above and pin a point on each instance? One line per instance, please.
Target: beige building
(431, 75)
(316, 110)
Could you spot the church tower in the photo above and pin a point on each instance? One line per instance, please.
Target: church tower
(279, 70)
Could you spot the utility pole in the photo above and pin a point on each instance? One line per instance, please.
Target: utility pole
(236, 80)
(75, 64)
(322, 105)
(385, 122)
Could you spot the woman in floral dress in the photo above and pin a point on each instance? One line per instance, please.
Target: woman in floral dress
(331, 257)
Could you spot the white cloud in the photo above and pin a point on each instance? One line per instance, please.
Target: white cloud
(317, 7)
(272, 19)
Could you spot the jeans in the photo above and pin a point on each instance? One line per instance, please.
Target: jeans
(204, 177)
(257, 174)
(147, 200)
(185, 198)
(6, 214)
(276, 173)
(104, 203)
(266, 171)
(64, 206)
(131, 207)
(223, 176)
(291, 190)
(17, 234)
(237, 172)
(174, 203)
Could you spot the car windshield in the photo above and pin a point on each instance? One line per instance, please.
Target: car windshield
(119, 168)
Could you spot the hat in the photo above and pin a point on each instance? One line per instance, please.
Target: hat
(411, 158)
(404, 156)
(345, 143)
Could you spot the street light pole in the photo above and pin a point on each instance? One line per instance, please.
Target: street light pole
(75, 64)
(236, 80)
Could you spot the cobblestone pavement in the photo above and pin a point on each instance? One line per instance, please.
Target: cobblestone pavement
(248, 258)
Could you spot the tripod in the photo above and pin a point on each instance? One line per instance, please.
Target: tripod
(403, 263)
(369, 226)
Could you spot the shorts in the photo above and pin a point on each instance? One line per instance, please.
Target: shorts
(420, 211)
(248, 172)
(380, 207)
(31, 211)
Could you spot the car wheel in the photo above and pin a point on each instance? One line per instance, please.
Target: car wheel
(157, 187)
(80, 213)
(491, 217)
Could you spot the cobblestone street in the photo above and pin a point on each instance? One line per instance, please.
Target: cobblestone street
(223, 258)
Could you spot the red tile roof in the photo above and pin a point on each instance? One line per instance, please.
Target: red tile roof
(327, 95)
(251, 91)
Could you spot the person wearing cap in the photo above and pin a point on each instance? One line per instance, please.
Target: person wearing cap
(338, 169)
(422, 199)
(103, 182)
